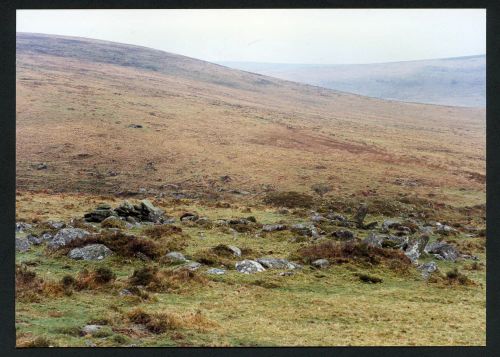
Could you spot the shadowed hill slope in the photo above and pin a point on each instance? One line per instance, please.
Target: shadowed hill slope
(77, 99)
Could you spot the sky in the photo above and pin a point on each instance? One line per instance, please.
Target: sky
(312, 36)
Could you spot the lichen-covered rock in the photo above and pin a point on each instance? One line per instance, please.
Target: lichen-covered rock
(192, 266)
(415, 248)
(216, 271)
(91, 329)
(22, 226)
(276, 263)
(302, 229)
(373, 240)
(90, 252)
(249, 267)
(343, 234)
(175, 257)
(427, 269)
(34, 239)
(273, 227)
(22, 245)
(67, 235)
(189, 216)
(444, 250)
(320, 263)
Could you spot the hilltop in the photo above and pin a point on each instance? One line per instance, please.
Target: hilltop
(457, 81)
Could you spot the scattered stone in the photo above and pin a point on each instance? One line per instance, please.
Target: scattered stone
(343, 234)
(273, 227)
(91, 329)
(320, 263)
(135, 126)
(395, 242)
(113, 222)
(56, 224)
(249, 267)
(193, 266)
(304, 230)
(41, 166)
(236, 251)
(390, 224)
(286, 273)
(90, 252)
(373, 240)
(276, 263)
(426, 229)
(216, 271)
(444, 229)
(22, 245)
(125, 292)
(318, 218)
(67, 235)
(360, 215)
(175, 257)
(47, 237)
(188, 216)
(445, 250)
(21, 227)
(98, 215)
(427, 269)
(34, 239)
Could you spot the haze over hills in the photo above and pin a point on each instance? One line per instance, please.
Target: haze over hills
(76, 100)
(459, 81)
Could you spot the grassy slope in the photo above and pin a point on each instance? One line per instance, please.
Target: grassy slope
(73, 112)
(315, 308)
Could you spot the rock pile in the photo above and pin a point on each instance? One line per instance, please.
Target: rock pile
(144, 211)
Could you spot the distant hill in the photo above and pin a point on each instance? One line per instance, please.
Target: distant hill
(459, 81)
(109, 117)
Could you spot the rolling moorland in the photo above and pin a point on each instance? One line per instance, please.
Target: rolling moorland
(458, 81)
(167, 201)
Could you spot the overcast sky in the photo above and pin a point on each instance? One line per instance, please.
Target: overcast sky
(325, 36)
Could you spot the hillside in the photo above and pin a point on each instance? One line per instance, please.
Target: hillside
(166, 201)
(459, 81)
(77, 97)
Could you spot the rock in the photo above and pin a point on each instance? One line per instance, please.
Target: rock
(47, 237)
(125, 292)
(142, 256)
(343, 234)
(390, 224)
(444, 229)
(286, 273)
(91, 329)
(175, 257)
(336, 217)
(67, 235)
(426, 229)
(22, 245)
(215, 271)
(360, 215)
(304, 230)
(373, 240)
(318, 218)
(113, 222)
(427, 269)
(90, 252)
(236, 251)
(56, 224)
(126, 209)
(415, 248)
(135, 126)
(34, 240)
(249, 267)
(98, 215)
(188, 216)
(193, 266)
(41, 166)
(442, 249)
(276, 263)
(151, 213)
(273, 227)
(320, 263)
(21, 227)
(395, 242)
